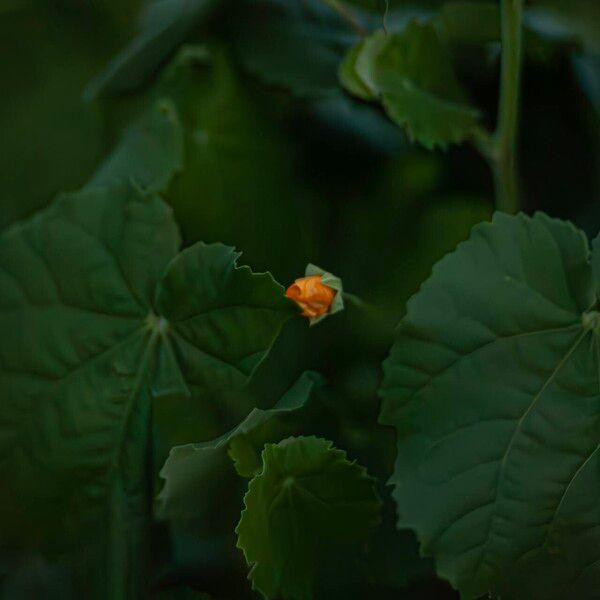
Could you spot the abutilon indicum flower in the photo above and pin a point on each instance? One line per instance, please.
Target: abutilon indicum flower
(311, 295)
(318, 294)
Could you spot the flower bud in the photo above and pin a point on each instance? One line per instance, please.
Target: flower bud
(311, 295)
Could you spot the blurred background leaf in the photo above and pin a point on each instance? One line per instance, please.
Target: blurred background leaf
(163, 25)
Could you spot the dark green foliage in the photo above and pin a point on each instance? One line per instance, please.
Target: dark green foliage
(411, 75)
(148, 382)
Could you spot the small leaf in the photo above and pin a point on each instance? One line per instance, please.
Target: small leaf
(492, 385)
(194, 472)
(250, 436)
(349, 78)
(369, 49)
(308, 502)
(412, 75)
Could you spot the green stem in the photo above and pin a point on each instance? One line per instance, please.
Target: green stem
(506, 136)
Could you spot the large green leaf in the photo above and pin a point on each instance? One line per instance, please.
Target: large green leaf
(413, 77)
(97, 314)
(308, 502)
(492, 385)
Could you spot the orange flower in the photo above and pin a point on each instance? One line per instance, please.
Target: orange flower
(311, 295)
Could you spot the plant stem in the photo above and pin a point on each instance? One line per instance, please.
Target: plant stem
(506, 136)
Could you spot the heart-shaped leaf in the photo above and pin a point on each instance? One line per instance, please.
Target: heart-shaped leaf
(493, 387)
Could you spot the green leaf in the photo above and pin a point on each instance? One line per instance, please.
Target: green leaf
(163, 26)
(98, 315)
(412, 75)
(221, 319)
(364, 67)
(150, 152)
(349, 78)
(308, 502)
(492, 385)
(194, 473)
(251, 435)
